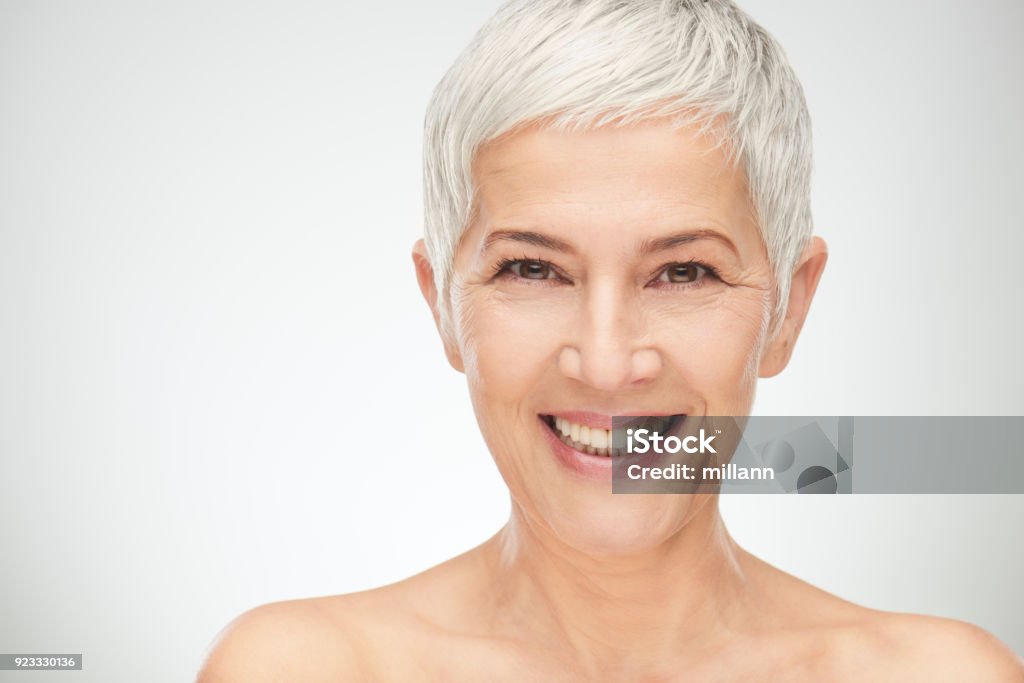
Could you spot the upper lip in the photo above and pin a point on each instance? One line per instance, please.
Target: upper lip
(604, 420)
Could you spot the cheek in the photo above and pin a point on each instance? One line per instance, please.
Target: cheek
(507, 347)
(716, 350)
(508, 353)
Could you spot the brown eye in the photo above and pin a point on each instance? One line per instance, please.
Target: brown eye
(683, 272)
(532, 270)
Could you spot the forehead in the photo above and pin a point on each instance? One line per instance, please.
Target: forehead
(645, 177)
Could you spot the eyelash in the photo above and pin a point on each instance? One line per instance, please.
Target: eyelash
(505, 267)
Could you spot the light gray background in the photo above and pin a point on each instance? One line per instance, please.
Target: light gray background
(213, 351)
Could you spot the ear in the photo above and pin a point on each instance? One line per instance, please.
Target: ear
(425, 278)
(777, 353)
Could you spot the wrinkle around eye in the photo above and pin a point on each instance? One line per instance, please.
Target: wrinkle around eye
(706, 306)
(509, 270)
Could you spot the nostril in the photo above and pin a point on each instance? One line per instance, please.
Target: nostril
(646, 364)
(609, 369)
(570, 362)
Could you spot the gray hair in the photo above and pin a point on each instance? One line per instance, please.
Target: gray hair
(580, 63)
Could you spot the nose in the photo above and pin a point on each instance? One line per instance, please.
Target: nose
(610, 348)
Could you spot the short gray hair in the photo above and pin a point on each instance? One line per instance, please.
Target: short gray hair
(580, 63)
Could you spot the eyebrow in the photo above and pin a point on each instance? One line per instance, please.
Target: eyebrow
(680, 238)
(528, 237)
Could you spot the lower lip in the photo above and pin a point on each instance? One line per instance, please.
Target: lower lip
(584, 465)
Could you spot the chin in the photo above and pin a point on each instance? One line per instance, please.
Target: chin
(623, 524)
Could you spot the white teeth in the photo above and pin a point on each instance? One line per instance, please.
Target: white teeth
(587, 439)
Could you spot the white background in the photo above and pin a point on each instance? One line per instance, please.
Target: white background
(213, 353)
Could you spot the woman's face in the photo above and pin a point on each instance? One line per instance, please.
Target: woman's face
(616, 271)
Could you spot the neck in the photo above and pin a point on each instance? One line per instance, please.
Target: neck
(666, 601)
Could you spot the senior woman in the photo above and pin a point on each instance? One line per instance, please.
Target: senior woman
(617, 223)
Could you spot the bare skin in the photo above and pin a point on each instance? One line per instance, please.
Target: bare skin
(480, 616)
(606, 271)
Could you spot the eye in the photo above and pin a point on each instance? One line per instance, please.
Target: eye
(683, 272)
(531, 270)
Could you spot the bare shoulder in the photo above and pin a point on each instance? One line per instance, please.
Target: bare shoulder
(340, 637)
(309, 640)
(850, 641)
(910, 647)
(858, 643)
(946, 649)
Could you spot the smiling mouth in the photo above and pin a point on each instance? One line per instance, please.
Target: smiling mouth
(597, 441)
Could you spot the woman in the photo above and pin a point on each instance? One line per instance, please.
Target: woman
(617, 223)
